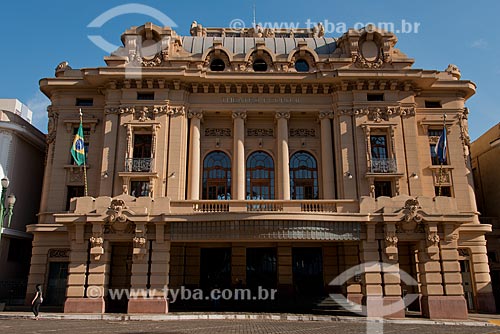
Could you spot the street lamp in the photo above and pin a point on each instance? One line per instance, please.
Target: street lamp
(9, 210)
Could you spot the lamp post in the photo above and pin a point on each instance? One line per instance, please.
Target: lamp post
(6, 211)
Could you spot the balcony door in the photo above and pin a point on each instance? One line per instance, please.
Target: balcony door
(260, 176)
(217, 176)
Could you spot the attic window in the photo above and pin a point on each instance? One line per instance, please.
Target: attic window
(259, 65)
(84, 102)
(375, 97)
(217, 65)
(301, 65)
(141, 96)
(433, 104)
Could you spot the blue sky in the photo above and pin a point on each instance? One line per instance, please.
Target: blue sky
(40, 34)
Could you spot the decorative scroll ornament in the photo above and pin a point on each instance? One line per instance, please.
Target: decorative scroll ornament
(391, 244)
(239, 114)
(176, 111)
(325, 115)
(379, 114)
(59, 252)
(156, 60)
(260, 132)
(302, 133)
(217, 132)
(115, 211)
(52, 124)
(96, 246)
(195, 114)
(282, 114)
(411, 221)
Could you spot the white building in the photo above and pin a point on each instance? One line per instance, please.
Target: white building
(22, 152)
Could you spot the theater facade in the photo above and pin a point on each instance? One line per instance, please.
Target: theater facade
(260, 158)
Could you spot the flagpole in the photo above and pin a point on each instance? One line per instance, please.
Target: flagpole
(441, 160)
(84, 159)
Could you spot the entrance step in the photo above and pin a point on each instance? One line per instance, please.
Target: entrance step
(326, 304)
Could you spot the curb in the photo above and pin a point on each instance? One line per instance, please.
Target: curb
(226, 316)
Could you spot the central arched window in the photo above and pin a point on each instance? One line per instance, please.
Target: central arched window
(259, 65)
(260, 176)
(303, 176)
(217, 65)
(217, 176)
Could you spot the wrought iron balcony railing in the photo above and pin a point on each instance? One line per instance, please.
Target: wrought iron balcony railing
(384, 166)
(138, 165)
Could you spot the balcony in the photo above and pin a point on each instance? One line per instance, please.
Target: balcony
(278, 206)
(383, 166)
(143, 165)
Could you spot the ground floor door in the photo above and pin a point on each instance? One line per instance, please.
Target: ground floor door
(261, 268)
(215, 268)
(55, 294)
(119, 277)
(307, 268)
(467, 284)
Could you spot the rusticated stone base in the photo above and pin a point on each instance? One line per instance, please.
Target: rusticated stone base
(444, 307)
(84, 305)
(148, 305)
(486, 302)
(356, 298)
(384, 307)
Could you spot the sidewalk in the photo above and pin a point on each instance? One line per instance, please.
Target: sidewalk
(475, 320)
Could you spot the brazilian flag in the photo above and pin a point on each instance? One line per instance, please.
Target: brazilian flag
(78, 147)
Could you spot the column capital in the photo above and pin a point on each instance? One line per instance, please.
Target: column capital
(239, 114)
(326, 114)
(195, 114)
(282, 114)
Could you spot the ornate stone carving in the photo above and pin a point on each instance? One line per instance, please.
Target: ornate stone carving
(195, 114)
(464, 133)
(282, 114)
(325, 114)
(63, 66)
(176, 111)
(454, 71)
(115, 211)
(302, 133)
(411, 221)
(53, 117)
(239, 114)
(156, 60)
(59, 252)
(96, 245)
(260, 132)
(217, 132)
(75, 175)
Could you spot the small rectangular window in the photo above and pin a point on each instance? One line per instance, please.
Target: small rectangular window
(445, 191)
(435, 132)
(433, 104)
(139, 188)
(84, 102)
(375, 97)
(141, 96)
(383, 188)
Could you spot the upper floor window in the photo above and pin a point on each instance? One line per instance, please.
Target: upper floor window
(433, 104)
(375, 97)
(379, 146)
(301, 65)
(139, 188)
(84, 102)
(260, 176)
(259, 65)
(383, 188)
(217, 65)
(217, 176)
(303, 176)
(144, 96)
(141, 160)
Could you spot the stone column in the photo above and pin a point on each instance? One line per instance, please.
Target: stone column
(285, 272)
(452, 278)
(111, 124)
(327, 155)
(371, 275)
(238, 264)
(393, 301)
(351, 259)
(480, 272)
(283, 155)
(429, 270)
(238, 182)
(194, 155)
(158, 281)
(75, 292)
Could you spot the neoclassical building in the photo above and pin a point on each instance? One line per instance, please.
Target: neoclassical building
(271, 158)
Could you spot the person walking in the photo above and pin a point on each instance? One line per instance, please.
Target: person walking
(37, 301)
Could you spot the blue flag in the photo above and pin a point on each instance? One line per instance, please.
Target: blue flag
(440, 148)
